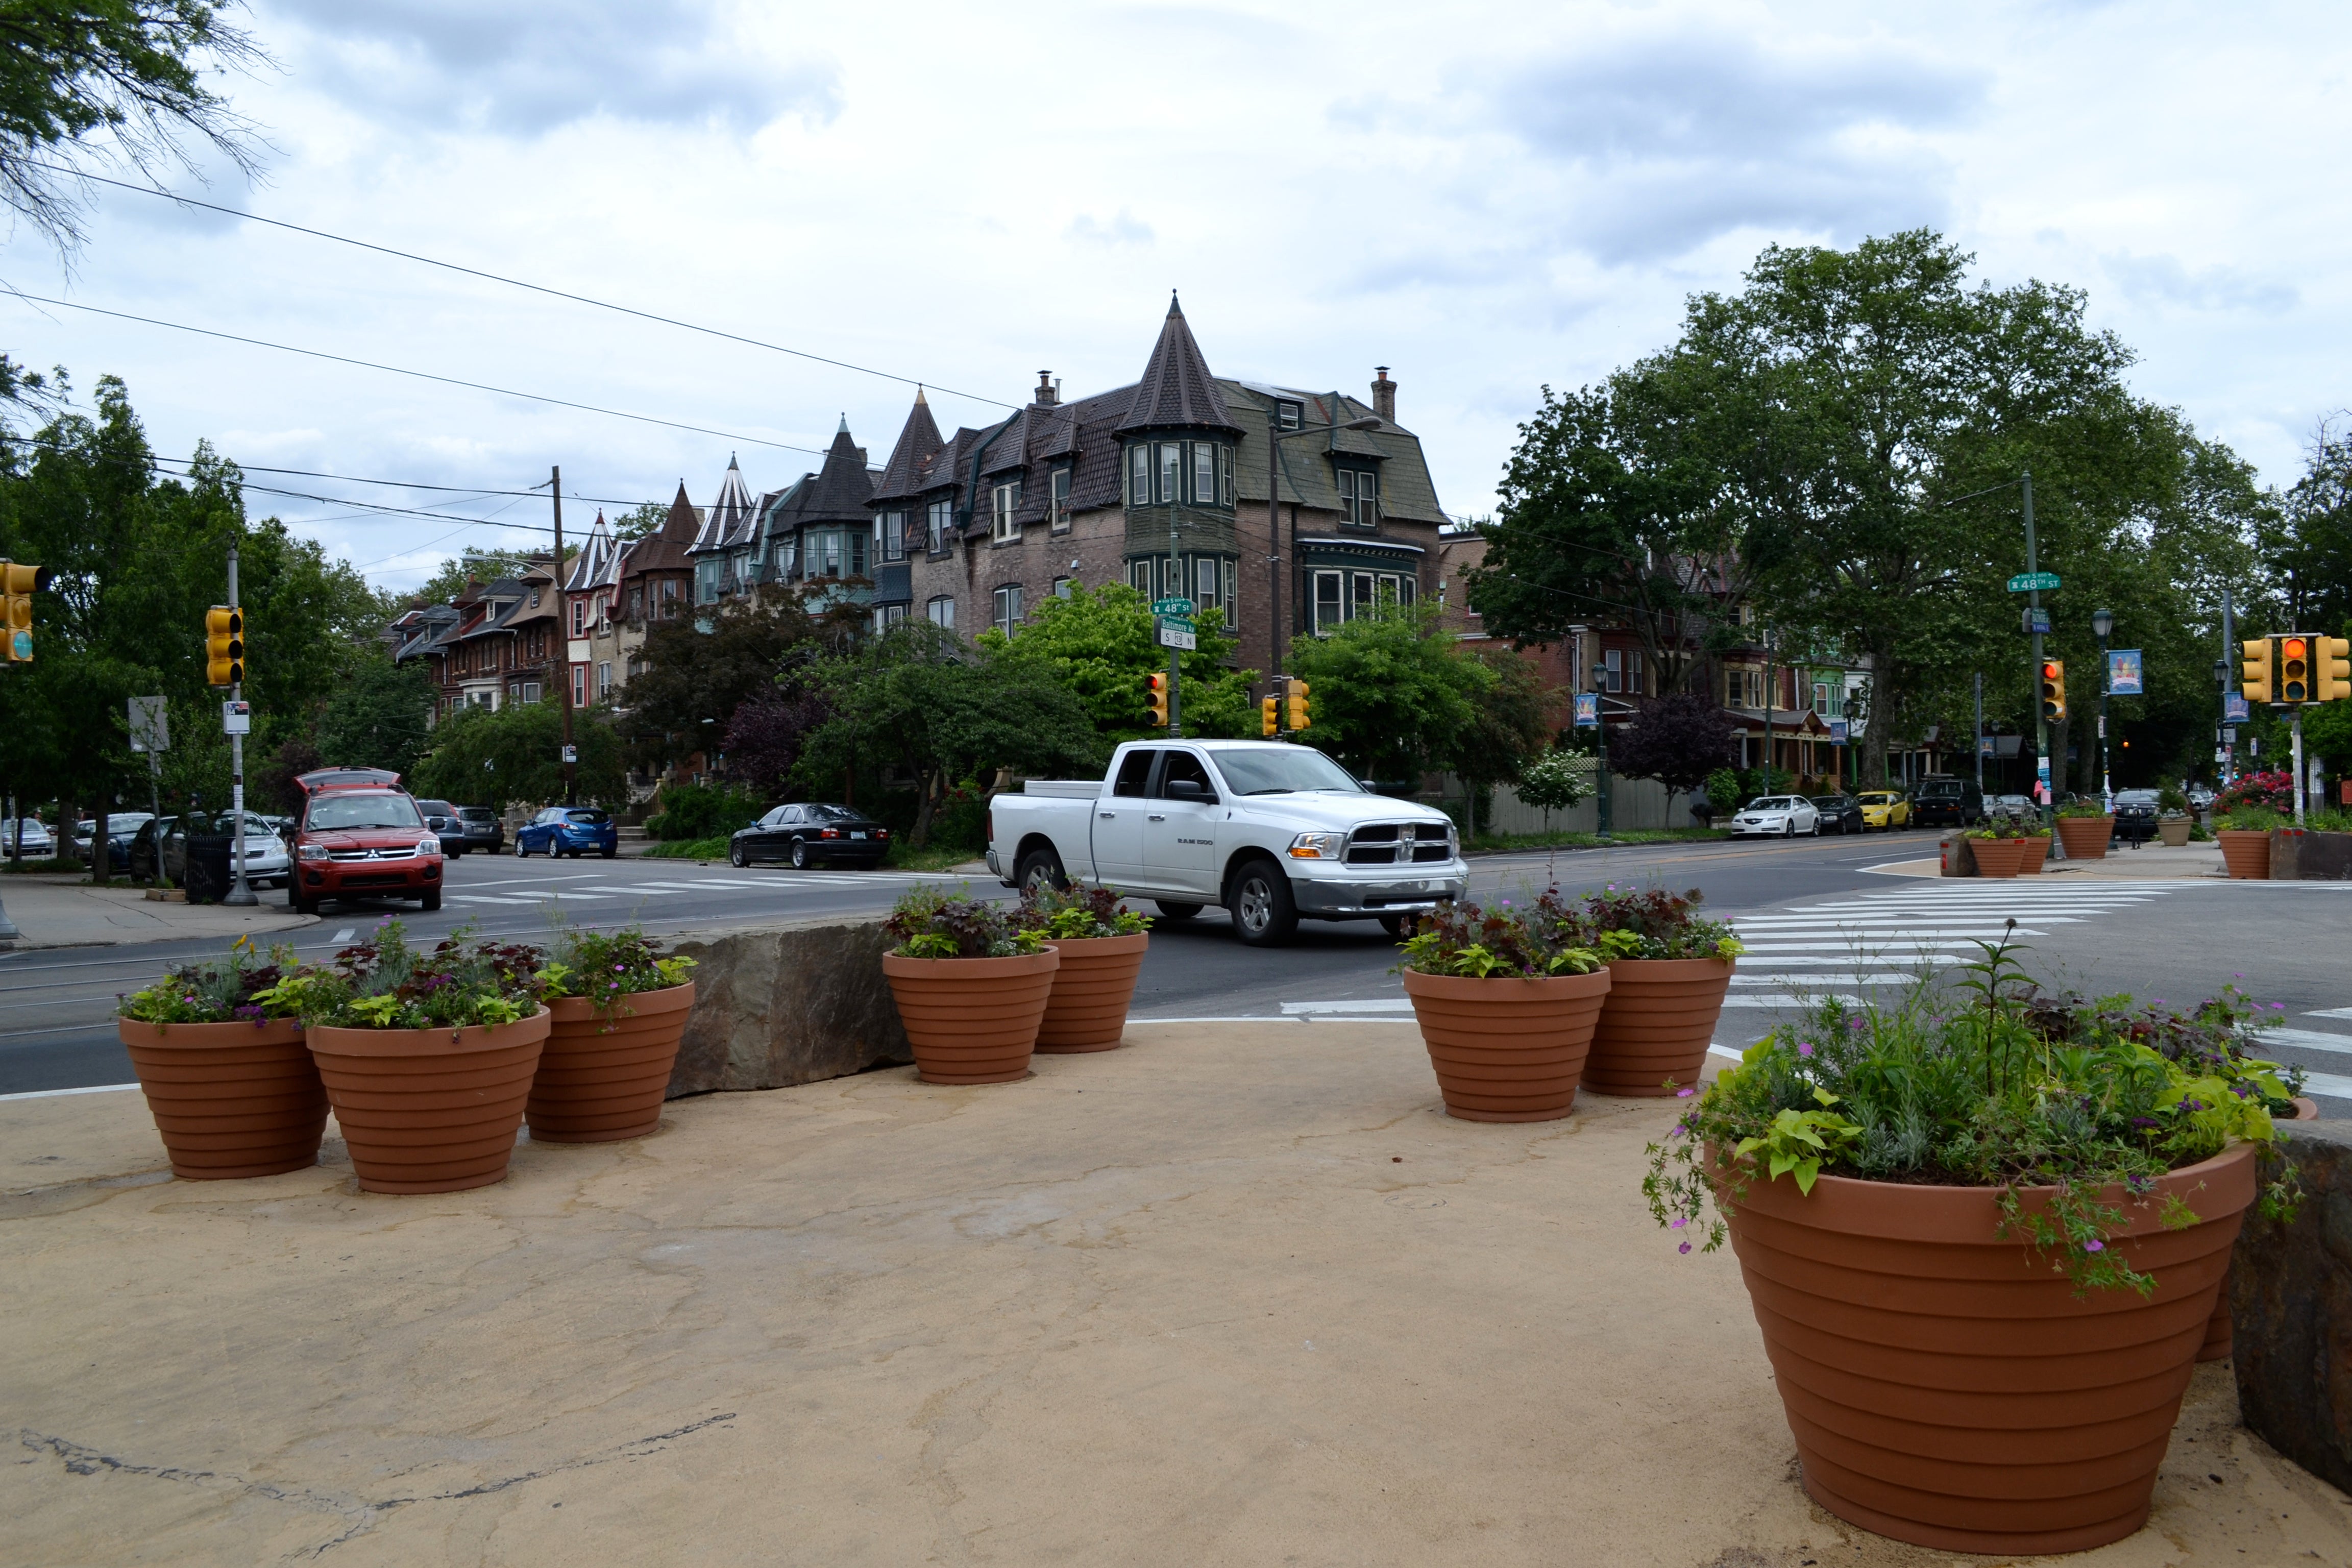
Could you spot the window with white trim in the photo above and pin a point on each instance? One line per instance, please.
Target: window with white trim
(1138, 474)
(604, 679)
(1004, 501)
(579, 686)
(1061, 500)
(888, 615)
(1205, 581)
(1232, 606)
(1062, 586)
(1007, 616)
(939, 524)
(1225, 475)
(1287, 414)
(1172, 471)
(890, 535)
(1139, 577)
(1329, 604)
(1359, 498)
(1825, 701)
(940, 612)
(1205, 473)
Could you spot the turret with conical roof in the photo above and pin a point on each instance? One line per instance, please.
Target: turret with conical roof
(1176, 391)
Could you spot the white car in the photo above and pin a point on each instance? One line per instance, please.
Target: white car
(1777, 816)
(36, 837)
(1268, 831)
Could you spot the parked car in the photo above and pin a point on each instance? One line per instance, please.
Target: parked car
(1776, 815)
(2135, 814)
(484, 831)
(1946, 800)
(363, 840)
(2013, 805)
(1884, 809)
(2201, 796)
(811, 832)
(36, 840)
(1268, 831)
(443, 819)
(571, 830)
(1839, 813)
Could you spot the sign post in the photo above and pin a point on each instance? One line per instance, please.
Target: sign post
(236, 718)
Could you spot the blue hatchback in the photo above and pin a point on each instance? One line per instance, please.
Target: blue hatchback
(573, 830)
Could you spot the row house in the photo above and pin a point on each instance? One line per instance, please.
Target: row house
(495, 644)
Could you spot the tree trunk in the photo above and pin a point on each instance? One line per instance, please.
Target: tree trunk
(101, 862)
(920, 837)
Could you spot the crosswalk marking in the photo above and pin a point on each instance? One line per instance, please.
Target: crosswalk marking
(2308, 1040)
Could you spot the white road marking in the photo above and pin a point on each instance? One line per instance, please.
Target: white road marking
(54, 1093)
(2335, 1086)
(2306, 1040)
(1296, 1009)
(345, 934)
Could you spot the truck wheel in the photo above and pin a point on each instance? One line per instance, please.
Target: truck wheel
(1263, 910)
(1174, 911)
(1045, 866)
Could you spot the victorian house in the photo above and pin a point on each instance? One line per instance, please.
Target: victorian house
(820, 534)
(495, 644)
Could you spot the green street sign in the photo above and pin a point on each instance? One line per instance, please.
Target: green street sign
(2034, 582)
(1172, 607)
(1177, 633)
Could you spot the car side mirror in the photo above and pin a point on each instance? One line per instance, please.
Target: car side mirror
(1188, 789)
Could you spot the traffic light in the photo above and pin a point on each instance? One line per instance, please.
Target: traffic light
(2295, 669)
(18, 584)
(224, 646)
(2331, 674)
(1299, 718)
(1158, 700)
(2054, 689)
(2256, 686)
(1269, 721)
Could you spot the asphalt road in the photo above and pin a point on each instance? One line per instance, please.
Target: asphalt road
(1824, 920)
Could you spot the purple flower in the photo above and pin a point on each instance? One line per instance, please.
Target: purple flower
(2237, 976)
(1684, 1248)
(1804, 1047)
(2094, 1245)
(1676, 1131)
(1681, 1220)
(2143, 1121)
(1684, 1093)
(1856, 1022)
(2279, 1006)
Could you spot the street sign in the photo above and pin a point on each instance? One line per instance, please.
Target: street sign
(2034, 582)
(571, 753)
(2234, 710)
(1588, 709)
(1178, 607)
(236, 718)
(2124, 672)
(2036, 621)
(151, 731)
(1174, 633)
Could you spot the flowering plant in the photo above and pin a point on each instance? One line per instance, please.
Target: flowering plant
(929, 924)
(1656, 924)
(385, 984)
(606, 967)
(1993, 1085)
(1462, 939)
(218, 991)
(2272, 791)
(1998, 828)
(1077, 915)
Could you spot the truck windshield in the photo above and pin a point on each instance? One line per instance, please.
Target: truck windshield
(1285, 770)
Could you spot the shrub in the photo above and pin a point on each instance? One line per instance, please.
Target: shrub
(385, 984)
(702, 811)
(929, 924)
(1656, 924)
(1464, 940)
(606, 966)
(1077, 915)
(218, 991)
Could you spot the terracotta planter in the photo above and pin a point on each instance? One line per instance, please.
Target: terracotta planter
(600, 1076)
(2174, 831)
(1947, 1387)
(1507, 1050)
(1656, 1024)
(971, 1020)
(2247, 853)
(1087, 1009)
(2085, 837)
(430, 1110)
(1996, 856)
(2218, 1328)
(2030, 854)
(230, 1100)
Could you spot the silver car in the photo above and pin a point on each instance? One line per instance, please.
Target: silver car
(37, 841)
(1777, 816)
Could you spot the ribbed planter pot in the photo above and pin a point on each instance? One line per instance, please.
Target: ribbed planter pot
(1507, 1050)
(1656, 1024)
(605, 1071)
(2085, 837)
(971, 1020)
(2174, 831)
(1947, 1387)
(230, 1100)
(2247, 853)
(2217, 1335)
(2030, 854)
(1996, 856)
(430, 1110)
(1087, 1009)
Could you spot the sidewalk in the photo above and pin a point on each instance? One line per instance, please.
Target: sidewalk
(2155, 863)
(1256, 1301)
(66, 912)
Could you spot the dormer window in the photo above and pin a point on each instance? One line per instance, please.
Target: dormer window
(1004, 501)
(1359, 498)
(940, 521)
(1061, 500)
(1289, 415)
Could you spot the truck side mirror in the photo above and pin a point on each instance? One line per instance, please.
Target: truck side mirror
(1188, 789)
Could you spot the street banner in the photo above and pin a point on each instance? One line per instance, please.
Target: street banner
(2233, 708)
(1588, 709)
(2123, 672)
(1837, 731)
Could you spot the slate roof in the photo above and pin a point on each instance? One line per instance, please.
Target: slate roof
(728, 521)
(592, 568)
(664, 550)
(1177, 389)
(907, 472)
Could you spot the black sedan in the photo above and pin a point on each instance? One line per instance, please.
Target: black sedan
(1840, 813)
(813, 833)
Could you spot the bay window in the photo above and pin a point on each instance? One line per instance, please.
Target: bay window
(1205, 473)
(1138, 475)
(1172, 471)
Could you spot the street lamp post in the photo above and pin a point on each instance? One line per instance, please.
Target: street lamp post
(2103, 622)
(1601, 744)
(1852, 768)
(1275, 434)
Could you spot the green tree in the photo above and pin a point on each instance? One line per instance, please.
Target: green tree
(475, 567)
(1510, 725)
(481, 757)
(1101, 644)
(1391, 696)
(698, 669)
(639, 520)
(381, 717)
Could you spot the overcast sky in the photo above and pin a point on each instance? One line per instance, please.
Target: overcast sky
(1484, 197)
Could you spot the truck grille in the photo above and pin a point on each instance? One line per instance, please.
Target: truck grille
(1396, 843)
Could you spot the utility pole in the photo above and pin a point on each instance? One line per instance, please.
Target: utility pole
(238, 893)
(1599, 749)
(2222, 667)
(2034, 682)
(562, 624)
(1175, 654)
(1980, 736)
(1771, 686)
(1273, 563)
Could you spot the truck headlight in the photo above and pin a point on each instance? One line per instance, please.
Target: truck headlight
(1319, 845)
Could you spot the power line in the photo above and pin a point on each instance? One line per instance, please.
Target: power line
(420, 374)
(539, 489)
(519, 283)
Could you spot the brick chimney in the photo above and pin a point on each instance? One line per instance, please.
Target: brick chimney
(1383, 393)
(1048, 394)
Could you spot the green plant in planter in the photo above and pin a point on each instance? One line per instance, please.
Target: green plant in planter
(2012, 827)
(2250, 817)
(606, 966)
(2170, 802)
(1990, 1085)
(1655, 924)
(232, 990)
(929, 924)
(2080, 809)
(1077, 915)
(385, 984)
(2200, 834)
(1462, 939)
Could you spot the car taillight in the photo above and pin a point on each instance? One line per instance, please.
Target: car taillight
(881, 832)
(829, 833)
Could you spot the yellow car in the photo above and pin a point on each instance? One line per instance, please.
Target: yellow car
(1884, 809)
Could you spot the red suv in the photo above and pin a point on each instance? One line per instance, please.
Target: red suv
(363, 840)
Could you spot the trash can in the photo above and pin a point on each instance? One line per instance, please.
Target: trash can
(206, 874)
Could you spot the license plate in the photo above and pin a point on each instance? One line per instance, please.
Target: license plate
(858, 836)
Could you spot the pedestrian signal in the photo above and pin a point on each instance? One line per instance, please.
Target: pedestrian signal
(2295, 669)
(1269, 719)
(2054, 689)
(1158, 700)
(224, 646)
(2331, 674)
(18, 584)
(1299, 717)
(2256, 686)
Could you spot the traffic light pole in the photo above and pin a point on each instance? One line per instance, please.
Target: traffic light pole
(2296, 722)
(2033, 604)
(1175, 654)
(239, 895)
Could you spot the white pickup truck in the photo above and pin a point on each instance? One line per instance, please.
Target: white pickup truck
(1268, 831)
